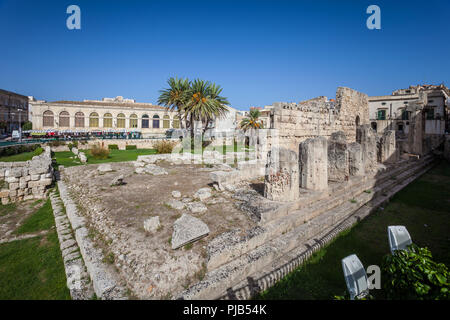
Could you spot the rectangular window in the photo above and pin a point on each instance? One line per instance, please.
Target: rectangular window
(429, 114)
(381, 115)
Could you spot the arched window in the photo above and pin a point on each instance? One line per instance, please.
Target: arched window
(357, 121)
(64, 119)
(107, 120)
(79, 120)
(156, 121)
(48, 120)
(145, 121)
(166, 122)
(120, 120)
(93, 120)
(133, 121)
(176, 122)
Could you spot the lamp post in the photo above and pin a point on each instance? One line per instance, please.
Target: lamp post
(20, 125)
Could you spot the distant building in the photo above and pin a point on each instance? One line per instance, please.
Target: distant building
(114, 115)
(13, 111)
(393, 112)
(108, 115)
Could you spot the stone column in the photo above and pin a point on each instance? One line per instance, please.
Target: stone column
(338, 169)
(367, 138)
(355, 159)
(313, 163)
(387, 151)
(282, 177)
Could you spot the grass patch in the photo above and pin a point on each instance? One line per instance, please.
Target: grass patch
(63, 158)
(42, 219)
(7, 209)
(32, 269)
(423, 207)
(25, 156)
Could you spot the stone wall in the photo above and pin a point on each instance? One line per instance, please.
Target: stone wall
(296, 122)
(447, 147)
(282, 176)
(26, 180)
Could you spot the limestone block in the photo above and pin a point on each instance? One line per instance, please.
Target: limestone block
(13, 186)
(35, 177)
(196, 207)
(203, 194)
(104, 167)
(338, 160)
(12, 193)
(387, 151)
(4, 193)
(313, 163)
(152, 224)
(27, 178)
(188, 229)
(281, 182)
(11, 179)
(355, 159)
(5, 201)
(367, 138)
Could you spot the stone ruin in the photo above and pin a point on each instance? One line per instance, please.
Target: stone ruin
(25, 180)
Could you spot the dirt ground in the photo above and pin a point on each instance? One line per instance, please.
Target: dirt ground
(13, 215)
(146, 261)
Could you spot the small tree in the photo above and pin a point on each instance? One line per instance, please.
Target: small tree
(27, 125)
(412, 274)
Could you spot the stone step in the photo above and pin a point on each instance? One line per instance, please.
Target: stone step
(335, 189)
(231, 245)
(282, 265)
(234, 273)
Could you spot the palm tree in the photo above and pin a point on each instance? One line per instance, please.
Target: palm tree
(252, 121)
(175, 97)
(205, 104)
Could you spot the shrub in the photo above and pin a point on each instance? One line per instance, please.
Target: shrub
(27, 125)
(38, 151)
(412, 274)
(99, 152)
(113, 147)
(131, 147)
(164, 146)
(12, 150)
(56, 143)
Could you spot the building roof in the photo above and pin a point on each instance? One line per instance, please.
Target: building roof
(112, 104)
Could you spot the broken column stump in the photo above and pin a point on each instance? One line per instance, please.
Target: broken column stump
(338, 161)
(313, 156)
(282, 177)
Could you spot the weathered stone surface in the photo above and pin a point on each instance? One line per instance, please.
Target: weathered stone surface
(355, 159)
(175, 204)
(104, 167)
(75, 150)
(117, 181)
(387, 151)
(203, 194)
(176, 194)
(188, 229)
(367, 138)
(338, 160)
(313, 163)
(139, 170)
(196, 207)
(82, 157)
(152, 224)
(154, 169)
(282, 175)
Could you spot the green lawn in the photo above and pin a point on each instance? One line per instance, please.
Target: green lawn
(18, 157)
(423, 207)
(63, 158)
(42, 219)
(33, 269)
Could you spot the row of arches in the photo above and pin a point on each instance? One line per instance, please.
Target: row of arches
(94, 120)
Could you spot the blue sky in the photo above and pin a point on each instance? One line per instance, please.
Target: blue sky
(259, 51)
